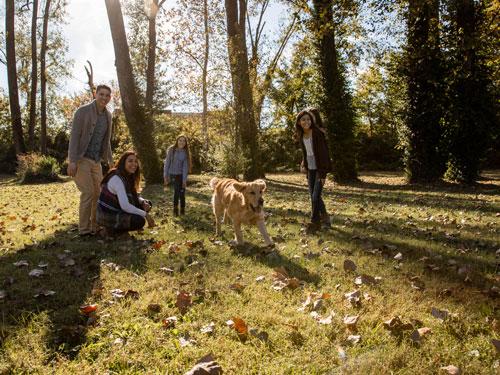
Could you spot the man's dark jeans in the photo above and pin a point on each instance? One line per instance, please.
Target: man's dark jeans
(315, 190)
(179, 191)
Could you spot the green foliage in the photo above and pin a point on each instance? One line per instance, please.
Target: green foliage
(472, 121)
(424, 157)
(280, 151)
(37, 168)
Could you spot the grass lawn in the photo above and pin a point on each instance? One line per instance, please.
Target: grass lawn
(425, 257)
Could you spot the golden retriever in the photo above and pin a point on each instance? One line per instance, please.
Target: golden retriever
(242, 202)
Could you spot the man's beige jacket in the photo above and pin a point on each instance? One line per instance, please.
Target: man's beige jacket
(82, 128)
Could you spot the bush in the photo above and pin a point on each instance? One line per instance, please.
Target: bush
(37, 168)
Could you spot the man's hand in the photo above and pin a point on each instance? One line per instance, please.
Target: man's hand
(166, 180)
(323, 181)
(150, 220)
(184, 185)
(72, 169)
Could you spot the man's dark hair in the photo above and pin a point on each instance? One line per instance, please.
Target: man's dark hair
(99, 87)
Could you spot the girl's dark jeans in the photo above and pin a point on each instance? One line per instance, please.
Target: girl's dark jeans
(179, 191)
(315, 190)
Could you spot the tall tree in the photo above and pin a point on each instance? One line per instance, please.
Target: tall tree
(151, 8)
(424, 157)
(34, 77)
(261, 83)
(242, 91)
(335, 98)
(15, 109)
(474, 109)
(43, 79)
(140, 129)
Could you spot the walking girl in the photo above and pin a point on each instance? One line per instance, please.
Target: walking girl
(176, 167)
(316, 163)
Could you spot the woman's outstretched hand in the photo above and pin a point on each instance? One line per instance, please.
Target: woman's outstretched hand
(146, 206)
(150, 220)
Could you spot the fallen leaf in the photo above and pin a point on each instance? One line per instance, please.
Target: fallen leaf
(174, 248)
(158, 244)
(365, 279)
(44, 293)
(132, 294)
(395, 325)
(183, 301)
(208, 329)
(168, 271)
(21, 263)
(237, 287)
(68, 262)
(3, 294)
(186, 341)
(88, 309)
(36, 272)
(342, 353)
(240, 326)
(398, 256)
(260, 278)
(327, 320)
(117, 293)
(42, 265)
(169, 322)
(439, 314)
(354, 339)
(206, 366)
(350, 321)
(349, 265)
(353, 297)
(452, 370)
(261, 335)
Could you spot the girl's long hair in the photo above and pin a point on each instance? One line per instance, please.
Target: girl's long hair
(188, 152)
(299, 132)
(133, 180)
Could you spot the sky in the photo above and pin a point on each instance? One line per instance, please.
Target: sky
(89, 38)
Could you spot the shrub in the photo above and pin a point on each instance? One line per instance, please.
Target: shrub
(37, 168)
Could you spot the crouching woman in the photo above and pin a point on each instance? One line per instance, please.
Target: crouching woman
(120, 208)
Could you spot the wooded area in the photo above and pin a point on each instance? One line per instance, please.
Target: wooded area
(408, 85)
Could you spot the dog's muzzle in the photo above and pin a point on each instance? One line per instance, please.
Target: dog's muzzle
(259, 207)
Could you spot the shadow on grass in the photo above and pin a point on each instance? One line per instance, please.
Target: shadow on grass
(72, 269)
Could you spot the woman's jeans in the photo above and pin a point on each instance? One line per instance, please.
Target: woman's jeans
(179, 191)
(315, 189)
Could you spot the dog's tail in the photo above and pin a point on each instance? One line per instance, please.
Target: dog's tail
(213, 182)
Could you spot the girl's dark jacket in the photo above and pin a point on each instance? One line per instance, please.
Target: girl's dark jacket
(321, 153)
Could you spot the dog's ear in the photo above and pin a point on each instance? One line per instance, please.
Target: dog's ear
(262, 184)
(240, 186)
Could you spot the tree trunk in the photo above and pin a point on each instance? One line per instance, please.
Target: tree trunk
(150, 70)
(15, 110)
(34, 78)
(140, 129)
(475, 110)
(43, 80)
(204, 115)
(242, 92)
(424, 162)
(336, 101)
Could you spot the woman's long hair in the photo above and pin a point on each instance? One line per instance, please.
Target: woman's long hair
(299, 132)
(174, 148)
(133, 180)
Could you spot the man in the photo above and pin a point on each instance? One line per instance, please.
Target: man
(90, 142)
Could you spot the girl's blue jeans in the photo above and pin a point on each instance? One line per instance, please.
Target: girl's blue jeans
(315, 190)
(179, 191)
